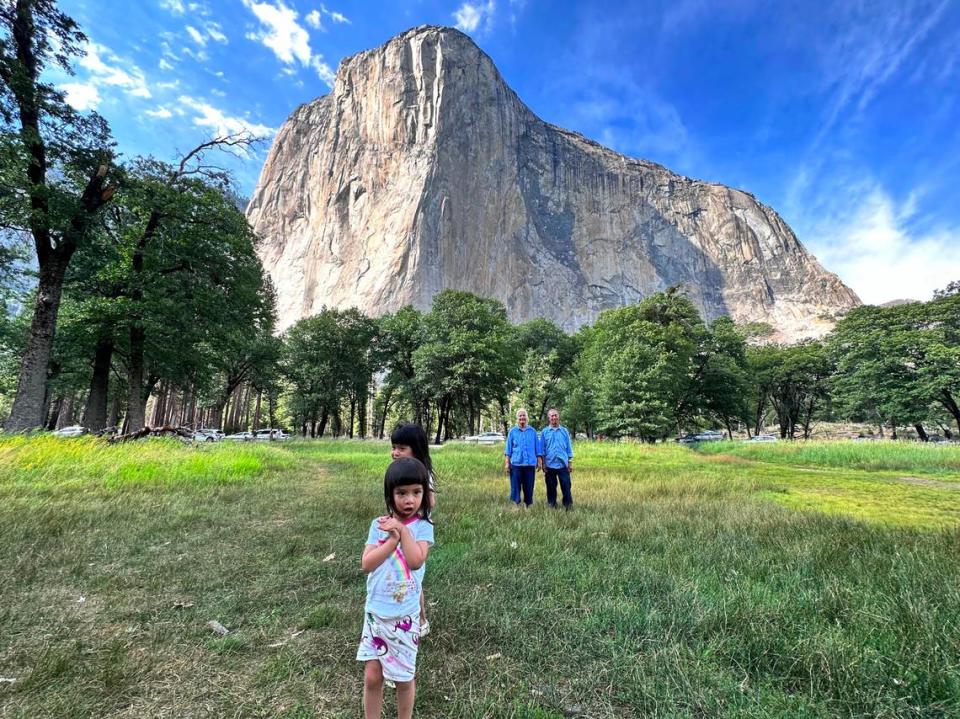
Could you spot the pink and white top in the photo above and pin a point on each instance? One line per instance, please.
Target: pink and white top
(393, 589)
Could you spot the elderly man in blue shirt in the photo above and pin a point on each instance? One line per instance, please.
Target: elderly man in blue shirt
(556, 459)
(521, 457)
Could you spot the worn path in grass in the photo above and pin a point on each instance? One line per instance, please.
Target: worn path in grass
(681, 586)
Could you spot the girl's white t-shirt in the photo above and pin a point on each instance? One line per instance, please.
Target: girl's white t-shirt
(393, 589)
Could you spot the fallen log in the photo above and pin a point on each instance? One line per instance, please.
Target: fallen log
(163, 431)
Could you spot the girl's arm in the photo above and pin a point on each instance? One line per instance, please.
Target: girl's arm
(415, 552)
(376, 554)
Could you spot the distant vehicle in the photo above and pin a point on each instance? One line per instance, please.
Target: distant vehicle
(72, 431)
(270, 434)
(485, 438)
(762, 438)
(240, 437)
(212, 430)
(206, 435)
(937, 439)
(709, 435)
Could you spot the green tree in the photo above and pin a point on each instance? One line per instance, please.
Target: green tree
(548, 357)
(644, 360)
(469, 355)
(56, 164)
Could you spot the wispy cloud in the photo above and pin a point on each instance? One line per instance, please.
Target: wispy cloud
(104, 69)
(280, 31)
(314, 20)
(174, 6)
(862, 60)
(287, 38)
(879, 246)
(471, 16)
(219, 122)
(81, 96)
(161, 113)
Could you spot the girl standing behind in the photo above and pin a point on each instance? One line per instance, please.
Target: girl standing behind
(409, 440)
(394, 559)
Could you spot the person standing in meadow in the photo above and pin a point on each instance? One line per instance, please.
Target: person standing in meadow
(556, 459)
(410, 440)
(520, 459)
(394, 559)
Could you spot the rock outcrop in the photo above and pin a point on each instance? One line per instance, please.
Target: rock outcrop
(423, 171)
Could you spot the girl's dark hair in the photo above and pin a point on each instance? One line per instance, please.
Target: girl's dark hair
(413, 436)
(404, 472)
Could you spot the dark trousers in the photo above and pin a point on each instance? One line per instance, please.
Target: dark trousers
(521, 477)
(551, 477)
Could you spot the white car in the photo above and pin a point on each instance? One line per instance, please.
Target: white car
(762, 438)
(73, 431)
(270, 434)
(240, 437)
(206, 435)
(485, 438)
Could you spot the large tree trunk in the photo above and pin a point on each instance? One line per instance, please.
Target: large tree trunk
(95, 413)
(28, 404)
(948, 401)
(921, 432)
(135, 373)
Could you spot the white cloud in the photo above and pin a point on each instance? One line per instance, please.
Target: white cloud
(174, 6)
(161, 113)
(281, 32)
(313, 20)
(196, 35)
(324, 71)
(81, 96)
(219, 123)
(105, 68)
(164, 64)
(215, 33)
(288, 40)
(877, 246)
(337, 17)
(471, 16)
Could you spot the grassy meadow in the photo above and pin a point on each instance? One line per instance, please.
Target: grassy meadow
(787, 580)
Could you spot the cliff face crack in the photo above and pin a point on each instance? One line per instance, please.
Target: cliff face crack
(422, 170)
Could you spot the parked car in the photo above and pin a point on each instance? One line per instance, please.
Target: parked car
(72, 431)
(485, 438)
(240, 437)
(206, 435)
(270, 434)
(708, 435)
(212, 430)
(762, 438)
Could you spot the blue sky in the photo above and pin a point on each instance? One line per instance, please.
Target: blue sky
(843, 116)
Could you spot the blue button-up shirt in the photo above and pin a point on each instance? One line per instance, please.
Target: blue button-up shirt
(555, 447)
(522, 448)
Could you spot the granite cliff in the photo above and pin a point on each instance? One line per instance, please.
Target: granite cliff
(423, 171)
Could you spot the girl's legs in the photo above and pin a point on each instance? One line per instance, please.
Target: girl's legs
(406, 691)
(373, 690)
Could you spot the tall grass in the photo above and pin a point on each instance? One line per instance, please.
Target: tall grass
(879, 455)
(679, 586)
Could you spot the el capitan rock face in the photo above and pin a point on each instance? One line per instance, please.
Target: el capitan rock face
(423, 171)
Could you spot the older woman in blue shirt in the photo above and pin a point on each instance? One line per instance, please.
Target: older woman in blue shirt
(520, 459)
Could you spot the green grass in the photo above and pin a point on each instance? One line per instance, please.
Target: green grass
(880, 455)
(754, 582)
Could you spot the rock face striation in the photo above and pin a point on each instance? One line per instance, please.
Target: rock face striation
(423, 171)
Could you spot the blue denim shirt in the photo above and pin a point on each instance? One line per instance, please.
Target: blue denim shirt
(522, 448)
(555, 447)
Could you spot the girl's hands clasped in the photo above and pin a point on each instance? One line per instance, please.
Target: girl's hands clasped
(391, 525)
